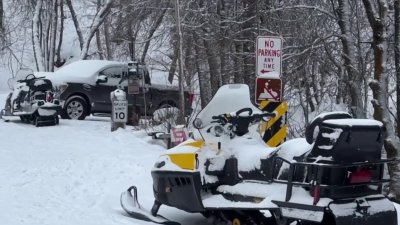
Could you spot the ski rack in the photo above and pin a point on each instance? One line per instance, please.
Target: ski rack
(317, 175)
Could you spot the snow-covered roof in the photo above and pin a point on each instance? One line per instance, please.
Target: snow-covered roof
(80, 71)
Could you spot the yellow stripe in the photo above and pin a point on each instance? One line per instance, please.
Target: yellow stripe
(196, 144)
(278, 137)
(280, 110)
(184, 160)
(263, 104)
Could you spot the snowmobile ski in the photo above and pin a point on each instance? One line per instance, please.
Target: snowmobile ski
(129, 202)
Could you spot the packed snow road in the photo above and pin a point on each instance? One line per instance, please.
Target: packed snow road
(74, 173)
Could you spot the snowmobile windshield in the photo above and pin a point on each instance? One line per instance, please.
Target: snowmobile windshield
(229, 99)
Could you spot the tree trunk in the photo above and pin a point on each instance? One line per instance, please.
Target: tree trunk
(53, 36)
(378, 20)
(151, 33)
(174, 60)
(97, 21)
(182, 108)
(249, 44)
(37, 49)
(213, 65)
(237, 63)
(76, 23)
(98, 39)
(1, 19)
(204, 77)
(60, 62)
(107, 38)
(350, 62)
(397, 56)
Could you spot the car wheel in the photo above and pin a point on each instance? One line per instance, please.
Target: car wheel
(75, 108)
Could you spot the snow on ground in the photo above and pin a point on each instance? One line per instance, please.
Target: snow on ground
(74, 173)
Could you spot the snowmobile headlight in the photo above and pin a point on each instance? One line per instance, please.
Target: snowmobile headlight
(218, 130)
(158, 165)
(198, 123)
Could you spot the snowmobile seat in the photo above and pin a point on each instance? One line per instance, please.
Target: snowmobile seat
(348, 141)
(341, 143)
(40, 84)
(312, 129)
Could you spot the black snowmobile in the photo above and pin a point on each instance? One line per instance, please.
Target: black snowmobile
(33, 101)
(333, 176)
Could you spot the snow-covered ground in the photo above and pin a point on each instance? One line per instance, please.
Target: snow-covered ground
(74, 173)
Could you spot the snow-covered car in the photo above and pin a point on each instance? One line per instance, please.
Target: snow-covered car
(84, 87)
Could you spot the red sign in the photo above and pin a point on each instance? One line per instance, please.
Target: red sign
(268, 89)
(179, 135)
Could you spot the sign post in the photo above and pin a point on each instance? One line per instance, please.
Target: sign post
(269, 55)
(133, 90)
(269, 94)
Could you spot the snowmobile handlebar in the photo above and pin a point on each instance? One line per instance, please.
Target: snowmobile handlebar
(29, 77)
(240, 123)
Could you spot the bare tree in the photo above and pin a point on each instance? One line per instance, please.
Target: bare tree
(153, 29)
(98, 39)
(76, 22)
(397, 55)
(36, 36)
(349, 58)
(59, 62)
(377, 13)
(97, 21)
(1, 18)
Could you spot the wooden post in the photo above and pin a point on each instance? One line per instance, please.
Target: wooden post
(119, 113)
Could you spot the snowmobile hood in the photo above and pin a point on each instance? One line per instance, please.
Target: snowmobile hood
(229, 98)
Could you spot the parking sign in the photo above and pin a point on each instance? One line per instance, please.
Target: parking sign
(269, 55)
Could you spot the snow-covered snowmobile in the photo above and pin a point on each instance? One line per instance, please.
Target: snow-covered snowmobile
(333, 176)
(33, 101)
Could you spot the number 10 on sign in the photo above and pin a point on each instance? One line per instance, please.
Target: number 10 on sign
(120, 111)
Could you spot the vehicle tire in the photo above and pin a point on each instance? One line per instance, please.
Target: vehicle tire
(76, 108)
(166, 111)
(37, 121)
(25, 119)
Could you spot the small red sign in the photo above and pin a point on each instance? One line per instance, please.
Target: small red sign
(179, 135)
(268, 89)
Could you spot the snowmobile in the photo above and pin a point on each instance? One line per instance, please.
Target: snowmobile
(334, 175)
(33, 101)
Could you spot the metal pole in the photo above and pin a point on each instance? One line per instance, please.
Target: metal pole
(181, 118)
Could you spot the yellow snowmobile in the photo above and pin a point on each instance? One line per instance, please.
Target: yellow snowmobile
(228, 173)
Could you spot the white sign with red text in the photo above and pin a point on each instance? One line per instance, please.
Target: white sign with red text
(269, 55)
(179, 134)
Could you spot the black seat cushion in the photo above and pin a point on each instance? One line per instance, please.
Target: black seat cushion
(321, 118)
(349, 140)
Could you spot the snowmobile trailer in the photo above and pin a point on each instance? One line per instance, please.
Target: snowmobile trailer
(33, 101)
(226, 172)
